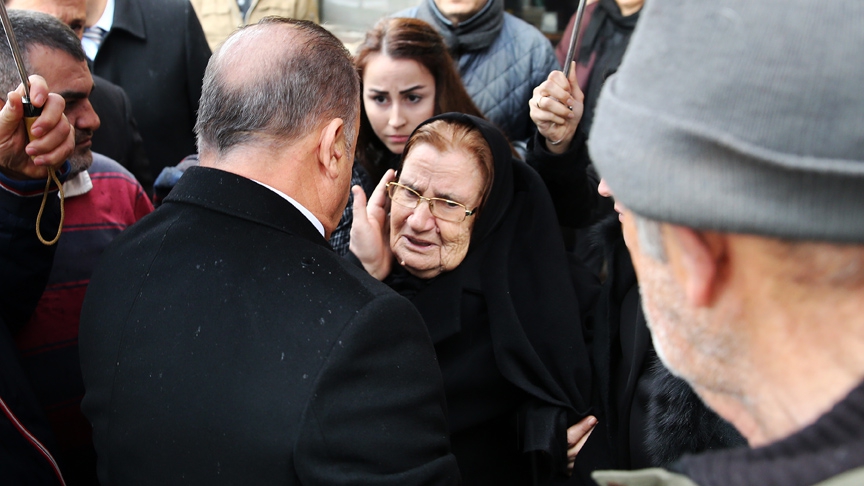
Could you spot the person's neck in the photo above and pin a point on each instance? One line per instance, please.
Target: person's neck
(629, 7)
(95, 9)
(806, 357)
(272, 166)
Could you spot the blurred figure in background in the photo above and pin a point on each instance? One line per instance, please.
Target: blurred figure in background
(501, 58)
(118, 137)
(221, 17)
(157, 52)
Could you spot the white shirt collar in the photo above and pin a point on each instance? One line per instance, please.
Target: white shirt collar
(106, 21)
(311, 217)
(77, 185)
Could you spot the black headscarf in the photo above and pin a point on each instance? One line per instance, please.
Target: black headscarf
(517, 261)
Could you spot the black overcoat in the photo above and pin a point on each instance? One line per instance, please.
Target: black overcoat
(118, 136)
(156, 51)
(507, 330)
(222, 341)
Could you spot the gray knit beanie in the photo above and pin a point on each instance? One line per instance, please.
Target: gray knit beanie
(743, 116)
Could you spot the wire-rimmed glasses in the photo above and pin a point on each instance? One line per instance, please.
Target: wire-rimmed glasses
(441, 208)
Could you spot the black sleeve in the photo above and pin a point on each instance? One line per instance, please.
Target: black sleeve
(377, 416)
(136, 158)
(118, 137)
(571, 185)
(25, 262)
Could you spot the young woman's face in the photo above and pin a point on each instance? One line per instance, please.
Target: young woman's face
(398, 94)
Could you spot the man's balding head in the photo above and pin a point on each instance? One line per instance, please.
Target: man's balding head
(276, 81)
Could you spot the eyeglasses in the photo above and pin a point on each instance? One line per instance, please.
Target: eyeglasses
(441, 208)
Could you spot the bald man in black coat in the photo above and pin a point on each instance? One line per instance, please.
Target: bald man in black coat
(222, 340)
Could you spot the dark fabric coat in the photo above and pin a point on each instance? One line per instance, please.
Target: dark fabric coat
(507, 332)
(652, 418)
(647, 417)
(604, 42)
(24, 267)
(832, 445)
(825, 453)
(156, 51)
(222, 341)
(118, 137)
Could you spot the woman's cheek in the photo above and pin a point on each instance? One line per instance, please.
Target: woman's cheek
(455, 249)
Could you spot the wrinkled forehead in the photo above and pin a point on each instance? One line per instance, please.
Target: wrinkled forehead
(65, 10)
(61, 71)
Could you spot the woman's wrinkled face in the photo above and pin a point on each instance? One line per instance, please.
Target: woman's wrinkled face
(398, 94)
(425, 245)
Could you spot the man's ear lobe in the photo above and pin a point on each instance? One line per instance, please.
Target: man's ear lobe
(331, 146)
(699, 260)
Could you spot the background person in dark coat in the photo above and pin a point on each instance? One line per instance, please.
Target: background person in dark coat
(118, 137)
(156, 51)
(500, 58)
(495, 290)
(648, 418)
(24, 267)
(222, 340)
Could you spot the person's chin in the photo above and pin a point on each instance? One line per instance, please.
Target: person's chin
(395, 148)
(80, 161)
(418, 264)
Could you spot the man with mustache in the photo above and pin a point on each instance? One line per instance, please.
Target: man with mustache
(102, 199)
(118, 138)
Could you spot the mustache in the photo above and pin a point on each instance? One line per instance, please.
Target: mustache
(82, 135)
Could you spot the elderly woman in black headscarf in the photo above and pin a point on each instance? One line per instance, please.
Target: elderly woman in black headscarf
(472, 240)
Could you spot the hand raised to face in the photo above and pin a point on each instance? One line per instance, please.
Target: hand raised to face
(371, 227)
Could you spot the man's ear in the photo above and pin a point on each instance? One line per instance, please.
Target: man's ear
(331, 147)
(698, 260)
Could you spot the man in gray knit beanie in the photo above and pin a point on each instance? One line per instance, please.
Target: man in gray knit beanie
(732, 137)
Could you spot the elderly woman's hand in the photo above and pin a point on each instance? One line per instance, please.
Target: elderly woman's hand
(556, 109)
(577, 435)
(370, 230)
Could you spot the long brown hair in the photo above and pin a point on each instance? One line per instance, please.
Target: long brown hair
(405, 38)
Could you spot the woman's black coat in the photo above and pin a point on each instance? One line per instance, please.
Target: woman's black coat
(507, 332)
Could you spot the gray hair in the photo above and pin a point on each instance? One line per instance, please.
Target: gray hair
(312, 82)
(650, 234)
(34, 29)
